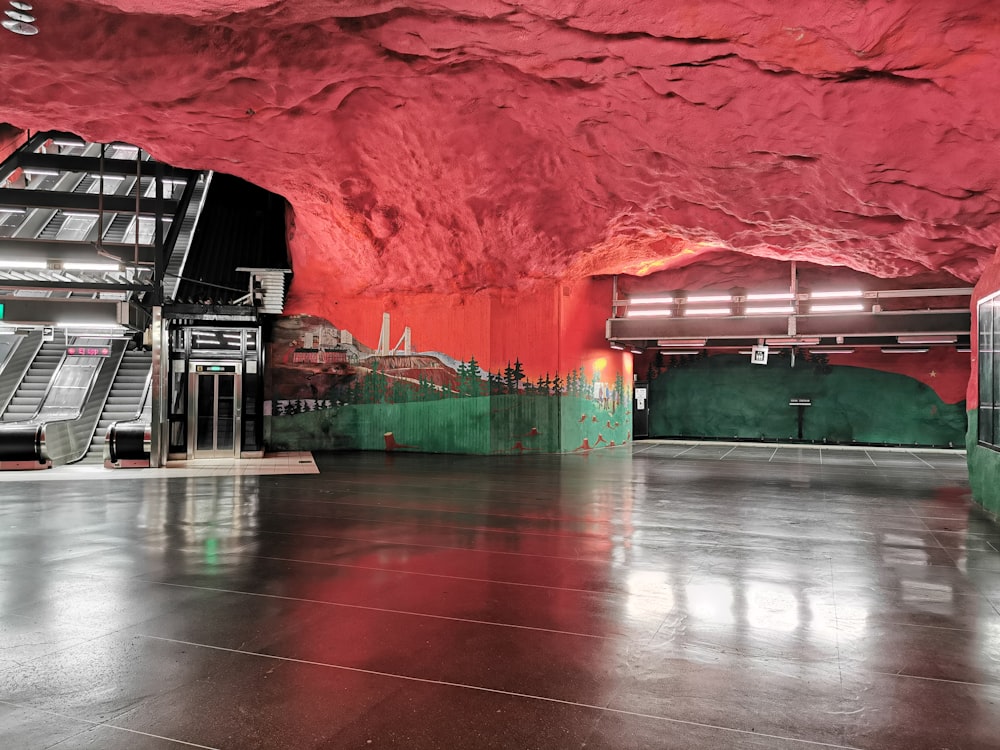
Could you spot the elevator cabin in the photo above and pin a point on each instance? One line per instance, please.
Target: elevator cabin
(215, 392)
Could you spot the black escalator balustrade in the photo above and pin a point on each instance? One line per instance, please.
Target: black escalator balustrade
(124, 400)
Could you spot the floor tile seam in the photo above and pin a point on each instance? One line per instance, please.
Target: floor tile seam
(911, 453)
(837, 542)
(386, 610)
(392, 543)
(452, 527)
(925, 678)
(499, 691)
(458, 511)
(95, 724)
(445, 576)
(799, 446)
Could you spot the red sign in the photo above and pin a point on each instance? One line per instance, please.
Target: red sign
(88, 351)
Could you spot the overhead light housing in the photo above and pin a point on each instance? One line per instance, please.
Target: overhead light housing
(636, 350)
(698, 298)
(681, 342)
(683, 351)
(616, 345)
(25, 264)
(770, 310)
(709, 311)
(844, 294)
(40, 172)
(658, 313)
(651, 300)
(103, 267)
(831, 351)
(927, 339)
(903, 350)
(857, 307)
(769, 296)
(792, 342)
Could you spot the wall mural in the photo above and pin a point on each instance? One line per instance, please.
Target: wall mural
(328, 390)
(723, 396)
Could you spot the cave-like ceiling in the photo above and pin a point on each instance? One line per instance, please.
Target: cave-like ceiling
(462, 144)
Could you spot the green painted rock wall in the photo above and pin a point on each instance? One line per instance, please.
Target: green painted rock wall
(724, 396)
(509, 423)
(984, 469)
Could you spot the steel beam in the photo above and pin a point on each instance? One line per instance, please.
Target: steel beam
(55, 251)
(84, 202)
(92, 165)
(751, 328)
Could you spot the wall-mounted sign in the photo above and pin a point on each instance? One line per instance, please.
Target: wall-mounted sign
(758, 355)
(48, 333)
(88, 351)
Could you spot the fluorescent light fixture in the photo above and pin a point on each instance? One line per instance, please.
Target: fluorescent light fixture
(616, 345)
(25, 264)
(648, 313)
(636, 350)
(709, 311)
(847, 294)
(963, 349)
(72, 266)
(39, 172)
(651, 300)
(107, 177)
(832, 351)
(681, 342)
(103, 327)
(858, 307)
(68, 143)
(783, 310)
(927, 339)
(769, 296)
(708, 298)
(792, 342)
(79, 214)
(683, 351)
(13, 211)
(902, 350)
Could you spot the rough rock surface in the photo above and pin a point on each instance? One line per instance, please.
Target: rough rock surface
(450, 145)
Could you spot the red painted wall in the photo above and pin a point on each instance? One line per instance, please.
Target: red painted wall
(988, 284)
(552, 328)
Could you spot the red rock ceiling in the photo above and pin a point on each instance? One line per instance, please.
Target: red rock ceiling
(462, 144)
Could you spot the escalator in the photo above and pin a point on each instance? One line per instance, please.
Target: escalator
(35, 383)
(17, 351)
(60, 429)
(124, 401)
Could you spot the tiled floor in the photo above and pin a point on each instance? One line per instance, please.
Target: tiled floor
(292, 462)
(665, 596)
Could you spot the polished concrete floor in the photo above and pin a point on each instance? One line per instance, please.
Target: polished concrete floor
(659, 596)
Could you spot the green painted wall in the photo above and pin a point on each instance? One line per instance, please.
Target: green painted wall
(984, 468)
(506, 423)
(724, 396)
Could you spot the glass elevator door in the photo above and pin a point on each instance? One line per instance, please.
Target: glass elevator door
(213, 413)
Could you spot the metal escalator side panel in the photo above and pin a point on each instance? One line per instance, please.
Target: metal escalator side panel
(67, 440)
(128, 443)
(16, 366)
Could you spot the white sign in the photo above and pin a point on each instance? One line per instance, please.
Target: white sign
(758, 355)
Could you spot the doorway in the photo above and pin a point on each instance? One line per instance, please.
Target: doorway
(213, 409)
